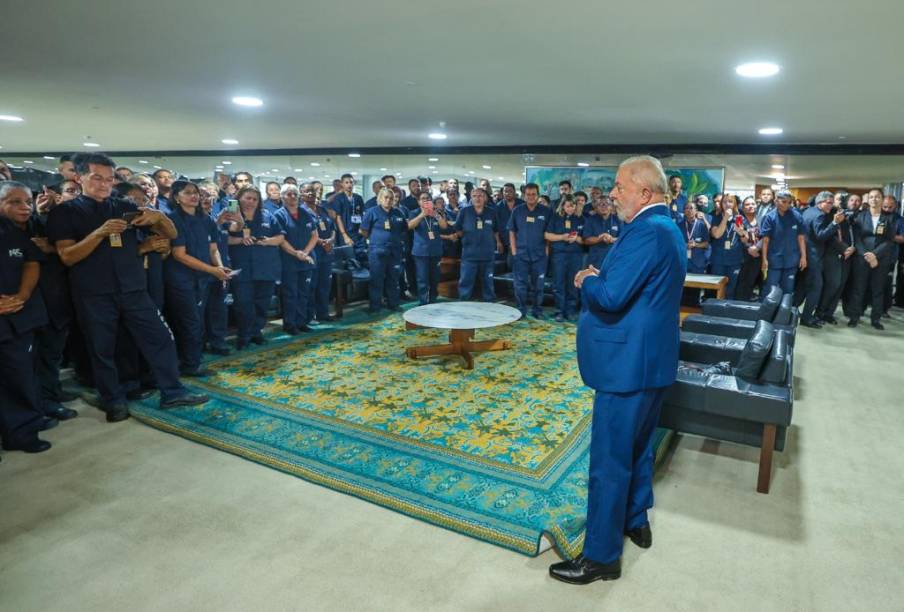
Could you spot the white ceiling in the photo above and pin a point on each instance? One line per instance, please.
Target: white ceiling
(146, 76)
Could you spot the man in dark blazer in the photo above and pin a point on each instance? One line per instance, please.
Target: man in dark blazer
(836, 265)
(627, 344)
(874, 232)
(820, 225)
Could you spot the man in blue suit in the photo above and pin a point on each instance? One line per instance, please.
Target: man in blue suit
(820, 226)
(627, 343)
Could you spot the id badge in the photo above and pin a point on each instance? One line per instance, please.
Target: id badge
(727, 245)
(479, 224)
(246, 232)
(880, 229)
(688, 253)
(568, 224)
(145, 262)
(386, 225)
(356, 219)
(115, 240)
(530, 219)
(430, 236)
(322, 226)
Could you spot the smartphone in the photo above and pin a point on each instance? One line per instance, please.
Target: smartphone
(128, 217)
(233, 206)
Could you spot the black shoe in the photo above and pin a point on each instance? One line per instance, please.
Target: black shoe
(305, 328)
(199, 373)
(35, 445)
(60, 413)
(642, 536)
(853, 323)
(136, 395)
(878, 325)
(581, 570)
(48, 423)
(291, 330)
(886, 315)
(66, 396)
(189, 399)
(812, 323)
(830, 320)
(259, 340)
(117, 413)
(219, 350)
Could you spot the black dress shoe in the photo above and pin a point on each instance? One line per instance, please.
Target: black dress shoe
(830, 320)
(136, 395)
(48, 423)
(189, 399)
(117, 413)
(219, 350)
(878, 325)
(581, 570)
(35, 445)
(812, 323)
(853, 323)
(66, 396)
(259, 340)
(199, 373)
(642, 536)
(60, 413)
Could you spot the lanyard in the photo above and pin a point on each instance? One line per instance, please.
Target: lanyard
(692, 230)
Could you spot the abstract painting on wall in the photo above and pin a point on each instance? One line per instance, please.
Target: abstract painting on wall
(694, 181)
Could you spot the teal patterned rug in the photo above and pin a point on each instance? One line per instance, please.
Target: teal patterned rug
(499, 453)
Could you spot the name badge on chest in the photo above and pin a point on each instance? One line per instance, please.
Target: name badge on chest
(688, 253)
(386, 225)
(322, 226)
(246, 232)
(727, 245)
(356, 219)
(430, 235)
(530, 219)
(479, 224)
(567, 224)
(115, 240)
(880, 229)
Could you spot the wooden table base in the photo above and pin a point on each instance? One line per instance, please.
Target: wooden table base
(460, 343)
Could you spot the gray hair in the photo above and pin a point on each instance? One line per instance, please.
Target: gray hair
(7, 186)
(287, 187)
(822, 196)
(647, 171)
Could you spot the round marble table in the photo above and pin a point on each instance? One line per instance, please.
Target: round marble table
(461, 319)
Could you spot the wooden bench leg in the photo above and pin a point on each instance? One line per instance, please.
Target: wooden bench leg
(765, 475)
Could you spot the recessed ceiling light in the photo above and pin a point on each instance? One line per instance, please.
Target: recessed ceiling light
(27, 161)
(158, 167)
(431, 167)
(298, 170)
(437, 136)
(777, 167)
(757, 70)
(49, 157)
(470, 172)
(433, 159)
(247, 101)
(142, 161)
(354, 173)
(383, 169)
(326, 176)
(436, 172)
(842, 137)
(10, 118)
(485, 167)
(354, 155)
(90, 144)
(315, 164)
(227, 162)
(770, 131)
(583, 164)
(230, 141)
(501, 178)
(311, 178)
(275, 170)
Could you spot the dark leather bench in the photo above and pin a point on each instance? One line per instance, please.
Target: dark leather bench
(738, 319)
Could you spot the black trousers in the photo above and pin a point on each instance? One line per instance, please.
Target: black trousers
(836, 274)
(49, 345)
(20, 404)
(869, 287)
(813, 289)
(747, 278)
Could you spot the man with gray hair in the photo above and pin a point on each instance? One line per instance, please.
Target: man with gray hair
(627, 344)
(819, 227)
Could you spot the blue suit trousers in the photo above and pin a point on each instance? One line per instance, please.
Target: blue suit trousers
(620, 488)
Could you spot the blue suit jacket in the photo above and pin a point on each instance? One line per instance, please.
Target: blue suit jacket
(628, 336)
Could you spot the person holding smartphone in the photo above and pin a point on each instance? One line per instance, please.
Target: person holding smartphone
(194, 264)
(565, 242)
(216, 313)
(300, 238)
(729, 240)
(427, 223)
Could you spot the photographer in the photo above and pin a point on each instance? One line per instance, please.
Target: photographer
(99, 245)
(427, 223)
(820, 224)
(836, 264)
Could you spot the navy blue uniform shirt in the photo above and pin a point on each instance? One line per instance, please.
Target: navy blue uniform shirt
(729, 249)
(195, 233)
(782, 231)
(529, 227)
(298, 232)
(427, 240)
(694, 232)
(594, 225)
(566, 225)
(326, 229)
(478, 241)
(385, 230)
(257, 263)
(16, 248)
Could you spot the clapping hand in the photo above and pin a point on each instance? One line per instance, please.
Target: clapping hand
(580, 276)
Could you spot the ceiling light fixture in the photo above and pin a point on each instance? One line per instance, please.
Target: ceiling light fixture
(227, 162)
(437, 136)
(770, 131)
(433, 159)
(275, 170)
(247, 101)
(777, 167)
(230, 141)
(11, 118)
(298, 170)
(90, 144)
(431, 167)
(757, 70)
(383, 169)
(315, 164)
(27, 161)
(485, 167)
(142, 161)
(583, 164)
(49, 157)
(354, 155)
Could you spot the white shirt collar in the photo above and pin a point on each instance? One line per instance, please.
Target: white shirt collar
(645, 208)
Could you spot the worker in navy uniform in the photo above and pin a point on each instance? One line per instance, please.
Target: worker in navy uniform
(215, 317)
(94, 235)
(627, 345)
(837, 261)
(527, 230)
(503, 213)
(384, 226)
(254, 251)
(479, 234)
(50, 340)
(696, 238)
(784, 250)
(427, 223)
(298, 264)
(323, 253)
(347, 210)
(21, 313)
(677, 199)
(273, 201)
(820, 225)
(194, 264)
(164, 180)
(408, 204)
(874, 232)
(565, 245)
(600, 231)
(729, 240)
